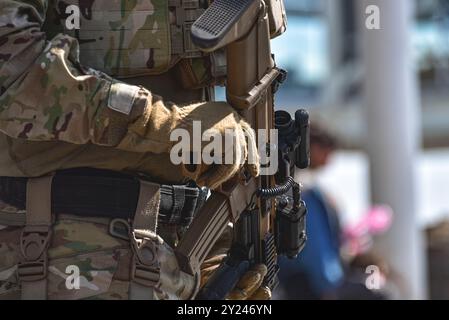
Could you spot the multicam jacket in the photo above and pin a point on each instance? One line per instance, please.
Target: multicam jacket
(45, 91)
(59, 86)
(62, 106)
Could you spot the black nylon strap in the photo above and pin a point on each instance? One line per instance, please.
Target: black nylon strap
(179, 200)
(102, 193)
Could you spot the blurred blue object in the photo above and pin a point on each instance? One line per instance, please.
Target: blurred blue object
(306, 56)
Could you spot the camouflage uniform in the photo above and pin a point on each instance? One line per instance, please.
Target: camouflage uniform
(47, 93)
(102, 259)
(62, 106)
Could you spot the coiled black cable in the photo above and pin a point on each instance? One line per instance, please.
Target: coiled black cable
(276, 191)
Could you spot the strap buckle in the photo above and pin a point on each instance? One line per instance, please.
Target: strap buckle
(145, 269)
(34, 242)
(32, 270)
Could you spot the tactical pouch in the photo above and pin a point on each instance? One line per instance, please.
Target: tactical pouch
(127, 38)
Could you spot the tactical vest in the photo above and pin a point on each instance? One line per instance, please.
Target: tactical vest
(131, 38)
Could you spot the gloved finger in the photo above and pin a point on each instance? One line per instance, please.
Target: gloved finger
(206, 274)
(217, 175)
(252, 163)
(209, 267)
(216, 260)
(263, 293)
(249, 283)
(194, 171)
(234, 158)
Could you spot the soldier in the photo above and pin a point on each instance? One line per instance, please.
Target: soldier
(106, 96)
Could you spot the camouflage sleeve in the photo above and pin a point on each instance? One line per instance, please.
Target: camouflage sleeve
(46, 94)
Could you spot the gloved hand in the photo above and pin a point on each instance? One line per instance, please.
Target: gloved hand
(151, 132)
(249, 286)
(173, 284)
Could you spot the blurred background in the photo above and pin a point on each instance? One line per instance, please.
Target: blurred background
(383, 95)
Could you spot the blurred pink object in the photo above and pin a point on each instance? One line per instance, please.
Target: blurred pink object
(376, 221)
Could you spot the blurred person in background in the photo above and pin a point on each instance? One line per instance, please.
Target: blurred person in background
(319, 271)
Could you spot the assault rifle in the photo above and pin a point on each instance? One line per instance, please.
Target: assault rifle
(267, 212)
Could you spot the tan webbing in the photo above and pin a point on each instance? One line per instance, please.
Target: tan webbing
(35, 239)
(145, 268)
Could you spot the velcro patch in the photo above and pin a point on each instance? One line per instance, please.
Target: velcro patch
(122, 96)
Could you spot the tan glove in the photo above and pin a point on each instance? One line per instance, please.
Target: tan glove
(249, 286)
(152, 130)
(175, 284)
